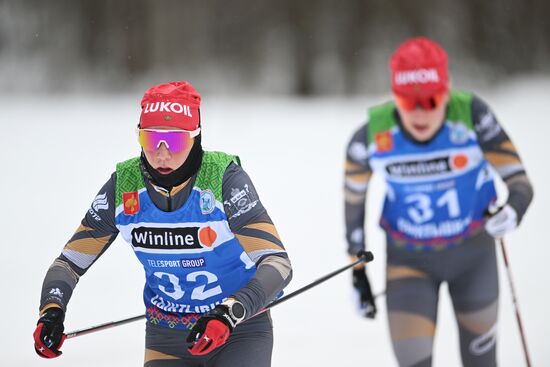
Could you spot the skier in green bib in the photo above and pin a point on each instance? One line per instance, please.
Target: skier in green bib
(212, 257)
(438, 151)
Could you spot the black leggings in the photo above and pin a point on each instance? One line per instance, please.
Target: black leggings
(250, 345)
(413, 280)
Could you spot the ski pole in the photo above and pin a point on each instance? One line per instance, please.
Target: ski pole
(104, 326)
(363, 257)
(515, 301)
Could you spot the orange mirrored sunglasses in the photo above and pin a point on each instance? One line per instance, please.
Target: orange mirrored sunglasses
(412, 103)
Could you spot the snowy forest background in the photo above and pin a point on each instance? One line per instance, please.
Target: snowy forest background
(284, 85)
(306, 47)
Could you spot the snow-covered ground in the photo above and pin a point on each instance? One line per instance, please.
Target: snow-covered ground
(58, 151)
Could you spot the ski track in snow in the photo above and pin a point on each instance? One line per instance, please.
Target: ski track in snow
(57, 152)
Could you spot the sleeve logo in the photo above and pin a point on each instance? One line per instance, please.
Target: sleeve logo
(240, 202)
(100, 202)
(56, 292)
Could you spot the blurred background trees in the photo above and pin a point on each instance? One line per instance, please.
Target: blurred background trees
(304, 47)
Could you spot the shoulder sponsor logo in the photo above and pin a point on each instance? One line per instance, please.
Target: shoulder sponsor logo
(100, 202)
(173, 238)
(130, 201)
(418, 76)
(383, 141)
(358, 151)
(488, 127)
(241, 201)
(207, 202)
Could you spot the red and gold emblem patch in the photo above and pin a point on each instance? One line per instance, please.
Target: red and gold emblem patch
(131, 202)
(383, 141)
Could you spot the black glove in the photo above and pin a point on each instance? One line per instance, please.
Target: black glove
(48, 336)
(214, 327)
(366, 299)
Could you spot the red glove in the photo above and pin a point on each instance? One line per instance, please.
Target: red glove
(215, 334)
(48, 336)
(214, 327)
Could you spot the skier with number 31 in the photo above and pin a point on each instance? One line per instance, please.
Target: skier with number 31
(212, 257)
(438, 150)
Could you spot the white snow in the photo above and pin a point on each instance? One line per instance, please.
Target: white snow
(58, 151)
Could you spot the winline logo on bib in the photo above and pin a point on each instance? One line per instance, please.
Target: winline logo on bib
(173, 238)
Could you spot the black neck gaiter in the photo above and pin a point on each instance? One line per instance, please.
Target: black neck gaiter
(181, 174)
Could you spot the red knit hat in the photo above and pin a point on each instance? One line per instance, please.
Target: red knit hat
(419, 68)
(175, 104)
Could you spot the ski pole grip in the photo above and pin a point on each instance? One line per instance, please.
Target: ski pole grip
(365, 256)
